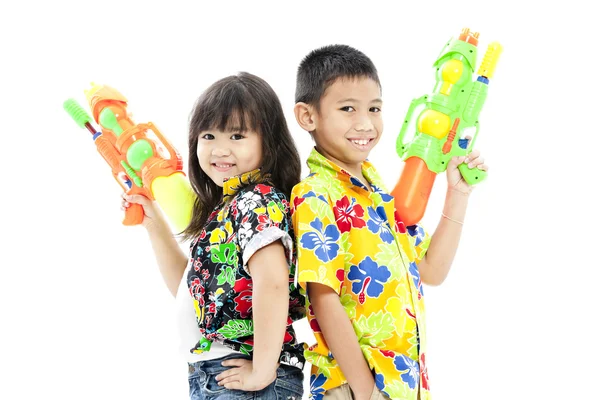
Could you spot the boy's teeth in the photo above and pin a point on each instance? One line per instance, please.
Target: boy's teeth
(361, 142)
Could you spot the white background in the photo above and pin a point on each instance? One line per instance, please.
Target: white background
(83, 309)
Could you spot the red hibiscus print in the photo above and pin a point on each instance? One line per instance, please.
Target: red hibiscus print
(315, 325)
(388, 353)
(339, 274)
(348, 215)
(212, 308)
(263, 222)
(424, 373)
(263, 189)
(400, 227)
(205, 274)
(297, 202)
(287, 338)
(243, 301)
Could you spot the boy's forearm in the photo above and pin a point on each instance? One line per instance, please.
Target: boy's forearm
(341, 339)
(169, 256)
(270, 302)
(436, 264)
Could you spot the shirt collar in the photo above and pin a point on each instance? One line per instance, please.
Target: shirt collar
(232, 185)
(318, 163)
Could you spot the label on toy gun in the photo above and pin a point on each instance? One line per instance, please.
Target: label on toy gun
(142, 160)
(451, 109)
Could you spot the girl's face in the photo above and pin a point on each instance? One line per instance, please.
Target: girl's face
(223, 155)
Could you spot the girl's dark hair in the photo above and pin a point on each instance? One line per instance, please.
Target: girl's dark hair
(249, 103)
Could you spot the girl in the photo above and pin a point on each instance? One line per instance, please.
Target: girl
(235, 306)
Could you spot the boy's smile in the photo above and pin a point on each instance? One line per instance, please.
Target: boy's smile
(349, 124)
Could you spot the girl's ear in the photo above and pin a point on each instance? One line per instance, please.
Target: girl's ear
(304, 116)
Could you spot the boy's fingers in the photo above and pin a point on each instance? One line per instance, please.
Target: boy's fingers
(455, 161)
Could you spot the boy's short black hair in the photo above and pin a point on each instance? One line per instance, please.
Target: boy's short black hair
(323, 66)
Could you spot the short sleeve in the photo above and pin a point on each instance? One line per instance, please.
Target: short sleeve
(261, 217)
(320, 255)
(420, 240)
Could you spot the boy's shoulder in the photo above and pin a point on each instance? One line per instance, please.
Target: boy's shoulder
(312, 185)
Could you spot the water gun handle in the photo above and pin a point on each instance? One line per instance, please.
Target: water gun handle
(134, 215)
(472, 175)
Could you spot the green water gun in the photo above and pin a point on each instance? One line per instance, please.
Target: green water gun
(452, 107)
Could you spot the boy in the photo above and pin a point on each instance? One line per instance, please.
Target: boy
(361, 268)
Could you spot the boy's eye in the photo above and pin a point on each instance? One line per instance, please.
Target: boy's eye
(347, 108)
(208, 136)
(237, 136)
(375, 109)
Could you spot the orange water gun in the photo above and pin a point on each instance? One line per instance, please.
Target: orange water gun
(142, 160)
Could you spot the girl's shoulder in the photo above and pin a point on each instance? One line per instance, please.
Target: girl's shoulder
(264, 190)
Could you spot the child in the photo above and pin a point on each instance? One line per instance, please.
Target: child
(234, 303)
(360, 266)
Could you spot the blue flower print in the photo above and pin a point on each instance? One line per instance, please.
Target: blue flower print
(414, 273)
(386, 197)
(316, 386)
(417, 232)
(322, 240)
(410, 368)
(312, 194)
(377, 224)
(379, 381)
(368, 276)
(357, 182)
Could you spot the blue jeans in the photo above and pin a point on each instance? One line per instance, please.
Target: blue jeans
(203, 386)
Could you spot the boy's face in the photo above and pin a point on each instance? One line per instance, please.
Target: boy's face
(349, 123)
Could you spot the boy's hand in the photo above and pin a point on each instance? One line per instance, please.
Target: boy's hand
(455, 179)
(150, 212)
(243, 377)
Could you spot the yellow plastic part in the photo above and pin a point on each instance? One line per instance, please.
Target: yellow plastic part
(451, 72)
(176, 199)
(490, 59)
(434, 123)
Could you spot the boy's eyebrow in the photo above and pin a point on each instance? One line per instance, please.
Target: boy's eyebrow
(351, 100)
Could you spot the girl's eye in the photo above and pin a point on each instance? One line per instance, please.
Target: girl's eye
(347, 108)
(208, 136)
(237, 136)
(375, 109)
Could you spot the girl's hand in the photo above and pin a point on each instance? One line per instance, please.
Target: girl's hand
(455, 179)
(243, 377)
(151, 214)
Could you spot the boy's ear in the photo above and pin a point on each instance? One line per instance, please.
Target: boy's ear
(304, 116)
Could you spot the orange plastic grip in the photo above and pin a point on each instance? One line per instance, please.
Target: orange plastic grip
(134, 215)
(412, 190)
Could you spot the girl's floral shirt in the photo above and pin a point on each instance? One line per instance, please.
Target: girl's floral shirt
(350, 239)
(251, 215)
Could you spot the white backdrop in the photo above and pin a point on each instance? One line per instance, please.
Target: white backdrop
(84, 311)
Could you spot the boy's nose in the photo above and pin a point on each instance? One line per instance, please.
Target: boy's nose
(364, 125)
